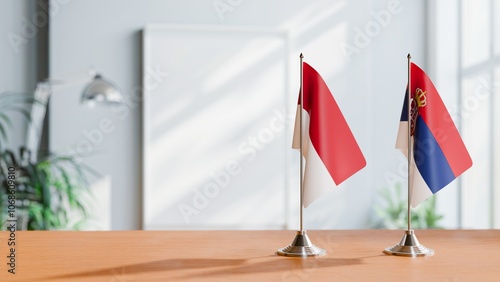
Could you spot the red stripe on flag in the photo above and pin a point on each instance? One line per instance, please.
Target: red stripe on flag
(328, 130)
(439, 121)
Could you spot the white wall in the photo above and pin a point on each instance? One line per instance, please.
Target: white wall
(18, 63)
(443, 68)
(369, 87)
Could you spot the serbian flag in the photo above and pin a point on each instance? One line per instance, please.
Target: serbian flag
(439, 154)
(329, 148)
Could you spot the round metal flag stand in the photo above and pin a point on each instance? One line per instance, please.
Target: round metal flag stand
(409, 247)
(301, 247)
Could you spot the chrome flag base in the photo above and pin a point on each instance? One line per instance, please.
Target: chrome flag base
(409, 247)
(301, 247)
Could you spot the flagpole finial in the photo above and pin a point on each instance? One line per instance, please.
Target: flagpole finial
(409, 56)
(301, 56)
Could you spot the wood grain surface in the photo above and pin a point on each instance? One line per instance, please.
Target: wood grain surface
(353, 255)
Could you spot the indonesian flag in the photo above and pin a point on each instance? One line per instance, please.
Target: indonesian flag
(439, 154)
(329, 148)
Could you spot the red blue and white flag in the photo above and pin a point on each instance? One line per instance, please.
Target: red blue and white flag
(331, 152)
(439, 154)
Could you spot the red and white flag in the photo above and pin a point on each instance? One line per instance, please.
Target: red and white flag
(331, 152)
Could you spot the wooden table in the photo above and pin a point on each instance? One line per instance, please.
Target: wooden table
(355, 255)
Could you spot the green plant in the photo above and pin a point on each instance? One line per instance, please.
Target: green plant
(51, 192)
(393, 213)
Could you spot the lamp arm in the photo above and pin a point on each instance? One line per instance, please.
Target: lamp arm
(38, 110)
(58, 84)
(98, 88)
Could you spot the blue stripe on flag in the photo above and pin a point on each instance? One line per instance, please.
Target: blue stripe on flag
(404, 112)
(429, 158)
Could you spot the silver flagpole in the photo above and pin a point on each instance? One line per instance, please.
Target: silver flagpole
(301, 245)
(409, 140)
(301, 142)
(409, 245)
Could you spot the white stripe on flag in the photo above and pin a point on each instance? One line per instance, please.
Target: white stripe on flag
(419, 189)
(317, 179)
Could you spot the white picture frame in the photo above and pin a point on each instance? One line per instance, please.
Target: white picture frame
(202, 110)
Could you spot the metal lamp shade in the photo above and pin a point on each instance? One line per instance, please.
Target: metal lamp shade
(101, 91)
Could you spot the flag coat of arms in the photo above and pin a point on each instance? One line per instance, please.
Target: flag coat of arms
(438, 152)
(330, 150)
